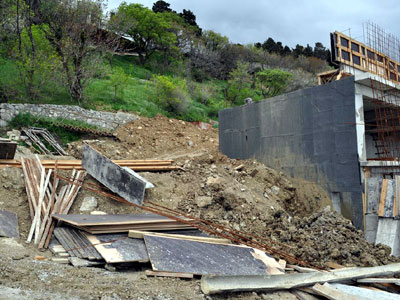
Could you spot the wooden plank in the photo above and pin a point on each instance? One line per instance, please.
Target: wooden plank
(8, 224)
(331, 293)
(168, 274)
(119, 248)
(199, 258)
(219, 284)
(365, 293)
(122, 219)
(381, 209)
(137, 234)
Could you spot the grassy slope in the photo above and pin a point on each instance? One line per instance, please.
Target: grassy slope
(134, 97)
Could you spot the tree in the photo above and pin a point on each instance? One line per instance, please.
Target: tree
(308, 51)
(273, 82)
(321, 52)
(269, 45)
(239, 84)
(147, 29)
(214, 41)
(72, 27)
(298, 50)
(190, 19)
(118, 79)
(161, 6)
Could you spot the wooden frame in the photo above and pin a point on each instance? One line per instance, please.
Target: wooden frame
(351, 52)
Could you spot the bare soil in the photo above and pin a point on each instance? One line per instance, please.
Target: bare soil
(245, 195)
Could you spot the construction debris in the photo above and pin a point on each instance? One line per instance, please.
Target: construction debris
(8, 224)
(218, 284)
(136, 165)
(43, 198)
(99, 224)
(40, 136)
(117, 179)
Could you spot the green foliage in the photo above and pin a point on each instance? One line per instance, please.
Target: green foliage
(53, 125)
(240, 84)
(214, 41)
(118, 79)
(171, 94)
(273, 82)
(146, 28)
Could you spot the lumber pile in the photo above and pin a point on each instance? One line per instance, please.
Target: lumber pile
(100, 224)
(136, 165)
(41, 136)
(44, 200)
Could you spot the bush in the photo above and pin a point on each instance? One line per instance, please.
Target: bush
(171, 94)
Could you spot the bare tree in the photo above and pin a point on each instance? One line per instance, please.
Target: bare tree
(74, 28)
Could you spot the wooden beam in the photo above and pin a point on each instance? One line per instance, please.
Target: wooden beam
(382, 201)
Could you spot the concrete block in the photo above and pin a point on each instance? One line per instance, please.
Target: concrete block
(388, 233)
(114, 177)
(371, 227)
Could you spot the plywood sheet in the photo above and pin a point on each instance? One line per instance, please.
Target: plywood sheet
(113, 176)
(97, 220)
(8, 224)
(199, 258)
(118, 248)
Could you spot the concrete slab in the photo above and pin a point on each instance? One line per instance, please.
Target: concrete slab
(114, 177)
(388, 233)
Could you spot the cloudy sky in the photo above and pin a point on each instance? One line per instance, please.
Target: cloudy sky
(289, 21)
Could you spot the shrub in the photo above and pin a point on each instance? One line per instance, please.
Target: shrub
(171, 94)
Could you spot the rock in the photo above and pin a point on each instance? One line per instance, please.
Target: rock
(203, 201)
(14, 135)
(275, 190)
(214, 182)
(190, 143)
(3, 123)
(82, 263)
(88, 204)
(110, 268)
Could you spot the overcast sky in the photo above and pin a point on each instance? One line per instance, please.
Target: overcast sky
(289, 21)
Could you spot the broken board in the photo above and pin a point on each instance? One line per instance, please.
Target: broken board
(118, 248)
(114, 177)
(8, 224)
(202, 258)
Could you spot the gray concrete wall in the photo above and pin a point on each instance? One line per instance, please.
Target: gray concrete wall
(308, 133)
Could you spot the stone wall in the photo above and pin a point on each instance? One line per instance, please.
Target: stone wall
(103, 120)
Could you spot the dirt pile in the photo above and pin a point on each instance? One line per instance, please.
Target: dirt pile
(324, 237)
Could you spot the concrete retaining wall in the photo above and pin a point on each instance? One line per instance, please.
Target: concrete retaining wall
(103, 120)
(308, 133)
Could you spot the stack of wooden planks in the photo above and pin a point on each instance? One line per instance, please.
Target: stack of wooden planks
(44, 200)
(136, 165)
(99, 224)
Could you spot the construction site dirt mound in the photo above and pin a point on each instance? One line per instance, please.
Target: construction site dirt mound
(244, 195)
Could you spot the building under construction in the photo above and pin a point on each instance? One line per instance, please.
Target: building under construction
(343, 134)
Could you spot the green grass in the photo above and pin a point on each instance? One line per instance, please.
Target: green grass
(134, 96)
(53, 125)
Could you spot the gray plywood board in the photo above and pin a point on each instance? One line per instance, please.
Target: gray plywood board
(389, 201)
(96, 220)
(118, 248)
(8, 224)
(371, 226)
(373, 194)
(365, 294)
(199, 258)
(114, 177)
